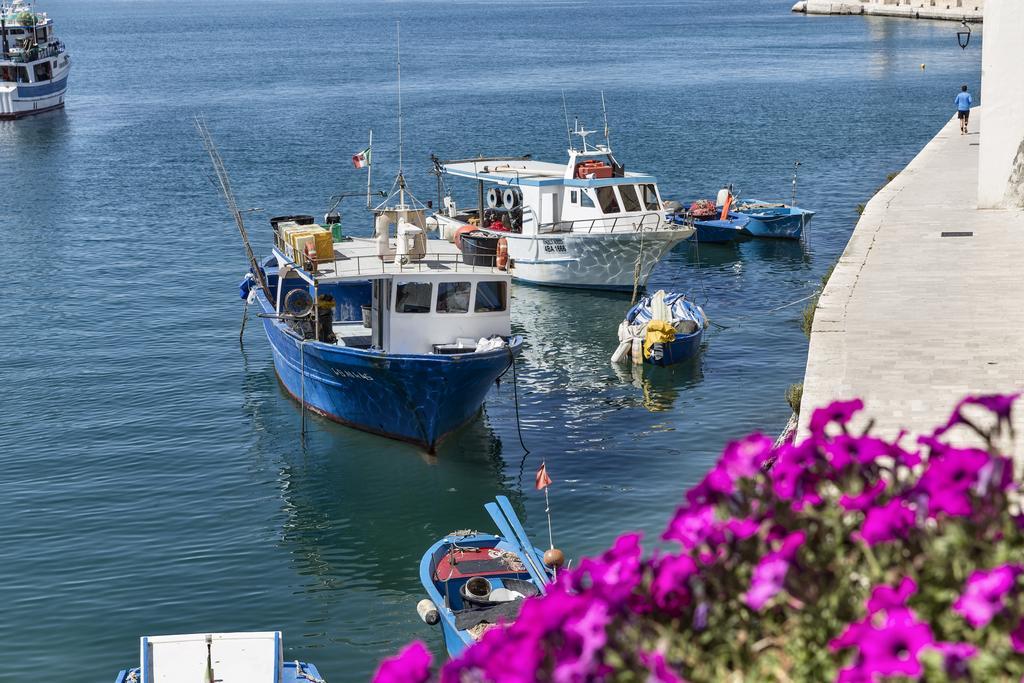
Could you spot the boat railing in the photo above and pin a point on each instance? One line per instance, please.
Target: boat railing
(36, 53)
(618, 224)
(366, 265)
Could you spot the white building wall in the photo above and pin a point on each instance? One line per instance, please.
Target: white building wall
(1001, 160)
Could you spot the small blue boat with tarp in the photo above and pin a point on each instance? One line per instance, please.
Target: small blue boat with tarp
(252, 657)
(773, 219)
(476, 581)
(661, 329)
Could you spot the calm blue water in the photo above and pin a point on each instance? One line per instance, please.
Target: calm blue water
(153, 478)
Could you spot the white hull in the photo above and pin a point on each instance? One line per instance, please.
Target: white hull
(24, 99)
(594, 260)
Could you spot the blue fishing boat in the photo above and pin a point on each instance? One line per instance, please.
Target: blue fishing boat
(709, 227)
(475, 581)
(773, 219)
(661, 329)
(222, 657)
(395, 334)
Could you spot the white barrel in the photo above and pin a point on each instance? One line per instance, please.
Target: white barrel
(723, 196)
(428, 611)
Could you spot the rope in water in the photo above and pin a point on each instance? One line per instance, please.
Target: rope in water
(770, 310)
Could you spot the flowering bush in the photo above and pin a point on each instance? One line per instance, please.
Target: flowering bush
(842, 557)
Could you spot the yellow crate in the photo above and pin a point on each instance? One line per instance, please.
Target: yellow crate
(324, 242)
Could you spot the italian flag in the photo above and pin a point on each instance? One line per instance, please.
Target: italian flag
(361, 159)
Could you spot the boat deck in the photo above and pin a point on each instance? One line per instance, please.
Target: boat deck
(357, 259)
(352, 334)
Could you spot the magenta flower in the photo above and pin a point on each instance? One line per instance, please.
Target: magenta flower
(1000, 405)
(1017, 637)
(863, 500)
(692, 527)
(614, 575)
(955, 658)
(740, 460)
(585, 635)
(670, 587)
(839, 412)
(742, 529)
(891, 648)
(659, 668)
(949, 479)
(890, 522)
(770, 573)
(411, 665)
(984, 596)
(888, 598)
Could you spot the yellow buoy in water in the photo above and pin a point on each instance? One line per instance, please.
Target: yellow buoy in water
(922, 67)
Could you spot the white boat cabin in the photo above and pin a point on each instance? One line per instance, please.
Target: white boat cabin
(396, 292)
(592, 192)
(33, 64)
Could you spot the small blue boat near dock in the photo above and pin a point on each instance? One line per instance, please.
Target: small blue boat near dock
(773, 219)
(708, 224)
(222, 657)
(474, 581)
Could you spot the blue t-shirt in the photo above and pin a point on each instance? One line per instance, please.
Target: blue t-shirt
(963, 101)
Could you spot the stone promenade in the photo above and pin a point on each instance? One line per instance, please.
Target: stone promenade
(912, 320)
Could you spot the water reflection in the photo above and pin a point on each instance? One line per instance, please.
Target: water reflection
(659, 388)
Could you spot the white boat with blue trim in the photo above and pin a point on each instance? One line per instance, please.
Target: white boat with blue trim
(585, 223)
(34, 66)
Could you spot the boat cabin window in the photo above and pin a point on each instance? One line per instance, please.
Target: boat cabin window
(491, 296)
(453, 297)
(606, 198)
(44, 71)
(585, 200)
(574, 197)
(630, 200)
(413, 297)
(650, 197)
(14, 74)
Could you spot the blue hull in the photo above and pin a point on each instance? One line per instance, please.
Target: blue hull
(415, 398)
(717, 232)
(682, 348)
(786, 222)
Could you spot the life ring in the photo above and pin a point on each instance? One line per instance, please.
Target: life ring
(501, 259)
(457, 238)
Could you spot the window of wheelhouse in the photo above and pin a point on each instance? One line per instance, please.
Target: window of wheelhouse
(586, 201)
(44, 71)
(606, 199)
(453, 297)
(412, 297)
(650, 196)
(491, 296)
(630, 200)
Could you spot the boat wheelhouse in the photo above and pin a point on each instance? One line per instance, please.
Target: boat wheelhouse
(394, 334)
(586, 223)
(33, 64)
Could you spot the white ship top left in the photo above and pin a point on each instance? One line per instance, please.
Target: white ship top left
(33, 64)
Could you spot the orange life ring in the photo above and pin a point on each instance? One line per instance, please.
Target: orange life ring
(457, 239)
(502, 253)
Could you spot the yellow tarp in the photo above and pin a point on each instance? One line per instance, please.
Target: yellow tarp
(658, 332)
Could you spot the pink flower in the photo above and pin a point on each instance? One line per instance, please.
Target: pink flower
(770, 573)
(692, 527)
(950, 477)
(985, 594)
(660, 672)
(1017, 637)
(670, 587)
(740, 460)
(615, 574)
(955, 656)
(585, 636)
(889, 648)
(411, 665)
(888, 598)
(864, 499)
(891, 522)
(1001, 405)
(839, 412)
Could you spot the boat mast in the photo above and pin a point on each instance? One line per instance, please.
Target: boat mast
(401, 178)
(565, 111)
(604, 110)
(229, 197)
(369, 169)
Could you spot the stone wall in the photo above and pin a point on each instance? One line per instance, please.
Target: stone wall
(952, 10)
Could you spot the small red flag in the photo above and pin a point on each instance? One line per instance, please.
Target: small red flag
(543, 480)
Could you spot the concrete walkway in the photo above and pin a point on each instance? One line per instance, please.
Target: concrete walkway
(971, 10)
(912, 321)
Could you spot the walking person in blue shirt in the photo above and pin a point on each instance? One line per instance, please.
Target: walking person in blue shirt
(963, 101)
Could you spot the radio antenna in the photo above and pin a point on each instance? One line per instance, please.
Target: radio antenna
(604, 110)
(565, 110)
